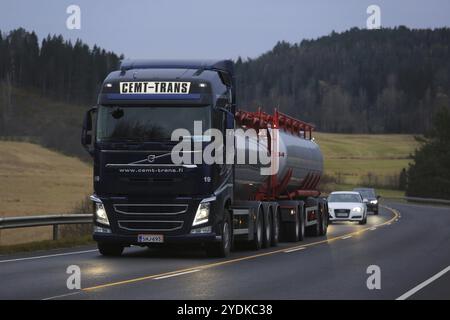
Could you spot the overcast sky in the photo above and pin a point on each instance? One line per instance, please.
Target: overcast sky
(210, 28)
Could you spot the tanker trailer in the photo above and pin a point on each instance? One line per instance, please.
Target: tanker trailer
(289, 199)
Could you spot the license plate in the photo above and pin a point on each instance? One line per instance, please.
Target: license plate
(150, 238)
(341, 214)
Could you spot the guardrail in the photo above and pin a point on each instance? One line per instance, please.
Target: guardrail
(45, 220)
(421, 200)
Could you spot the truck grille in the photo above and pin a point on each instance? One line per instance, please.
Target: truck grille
(151, 209)
(150, 225)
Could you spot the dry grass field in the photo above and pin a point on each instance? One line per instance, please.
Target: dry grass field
(350, 158)
(35, 180)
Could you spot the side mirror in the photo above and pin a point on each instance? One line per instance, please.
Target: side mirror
(86, 132)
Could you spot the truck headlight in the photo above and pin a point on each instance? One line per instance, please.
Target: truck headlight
(374, 201)
(357, 210)
(100, 214)
(202, 214)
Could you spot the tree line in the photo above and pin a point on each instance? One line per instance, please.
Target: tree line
(60, 69)
(429, 174)
(358, 81)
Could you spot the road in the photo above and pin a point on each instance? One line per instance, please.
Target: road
(410, 244)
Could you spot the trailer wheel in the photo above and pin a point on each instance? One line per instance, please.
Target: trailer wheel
(323, 219)
(293, 230)
(222, 248)
(110, 250)
(301, 217)
(314, 230)
(257, 241)
(275, 228)
(268, 227)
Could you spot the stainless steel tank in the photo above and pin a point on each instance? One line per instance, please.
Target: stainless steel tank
(303, 156)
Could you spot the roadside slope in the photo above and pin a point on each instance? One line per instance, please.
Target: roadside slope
(35, 180)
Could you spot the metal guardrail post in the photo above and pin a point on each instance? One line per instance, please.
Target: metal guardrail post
(55, 231)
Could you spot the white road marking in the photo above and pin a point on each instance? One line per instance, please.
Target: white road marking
(62, 295)
(295, 249)
(373, 229)
(177, 274)
(49, 256)
(423, 284)
(346, 237)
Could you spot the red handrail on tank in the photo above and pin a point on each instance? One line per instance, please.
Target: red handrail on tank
(261, 120)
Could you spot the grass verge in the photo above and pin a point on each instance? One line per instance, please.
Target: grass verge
(47, 245)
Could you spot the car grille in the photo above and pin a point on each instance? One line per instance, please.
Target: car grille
(341, 213)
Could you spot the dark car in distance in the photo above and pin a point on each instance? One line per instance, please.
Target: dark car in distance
(370, 195)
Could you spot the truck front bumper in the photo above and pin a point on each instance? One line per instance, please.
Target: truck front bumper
(127, 240)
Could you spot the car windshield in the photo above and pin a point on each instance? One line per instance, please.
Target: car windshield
(367, 193)
(148, 123)
(344, 197)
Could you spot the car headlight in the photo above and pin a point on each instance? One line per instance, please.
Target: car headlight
(374, 201)
(202, 214)
(357, 210)
(100, 214)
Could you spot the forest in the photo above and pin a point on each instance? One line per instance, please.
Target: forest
(358, 81)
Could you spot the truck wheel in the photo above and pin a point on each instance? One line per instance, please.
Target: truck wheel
(275, 229)
(110, 250)
(323, 221)
(258, 236)
(267, 240)
(222, 248)
(314, 230)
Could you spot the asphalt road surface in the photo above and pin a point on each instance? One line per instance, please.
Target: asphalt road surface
(409, 243)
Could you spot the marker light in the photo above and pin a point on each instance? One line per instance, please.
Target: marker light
(202, 85)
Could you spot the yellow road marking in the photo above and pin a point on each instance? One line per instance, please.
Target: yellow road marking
(221, 263)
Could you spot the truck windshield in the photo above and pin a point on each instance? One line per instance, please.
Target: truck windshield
(148, 123)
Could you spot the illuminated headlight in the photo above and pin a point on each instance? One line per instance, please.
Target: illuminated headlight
(374, 201)
(202, 214)
(357, 210)
(100, 214)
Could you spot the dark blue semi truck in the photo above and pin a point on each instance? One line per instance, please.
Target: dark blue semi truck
(141, 197)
